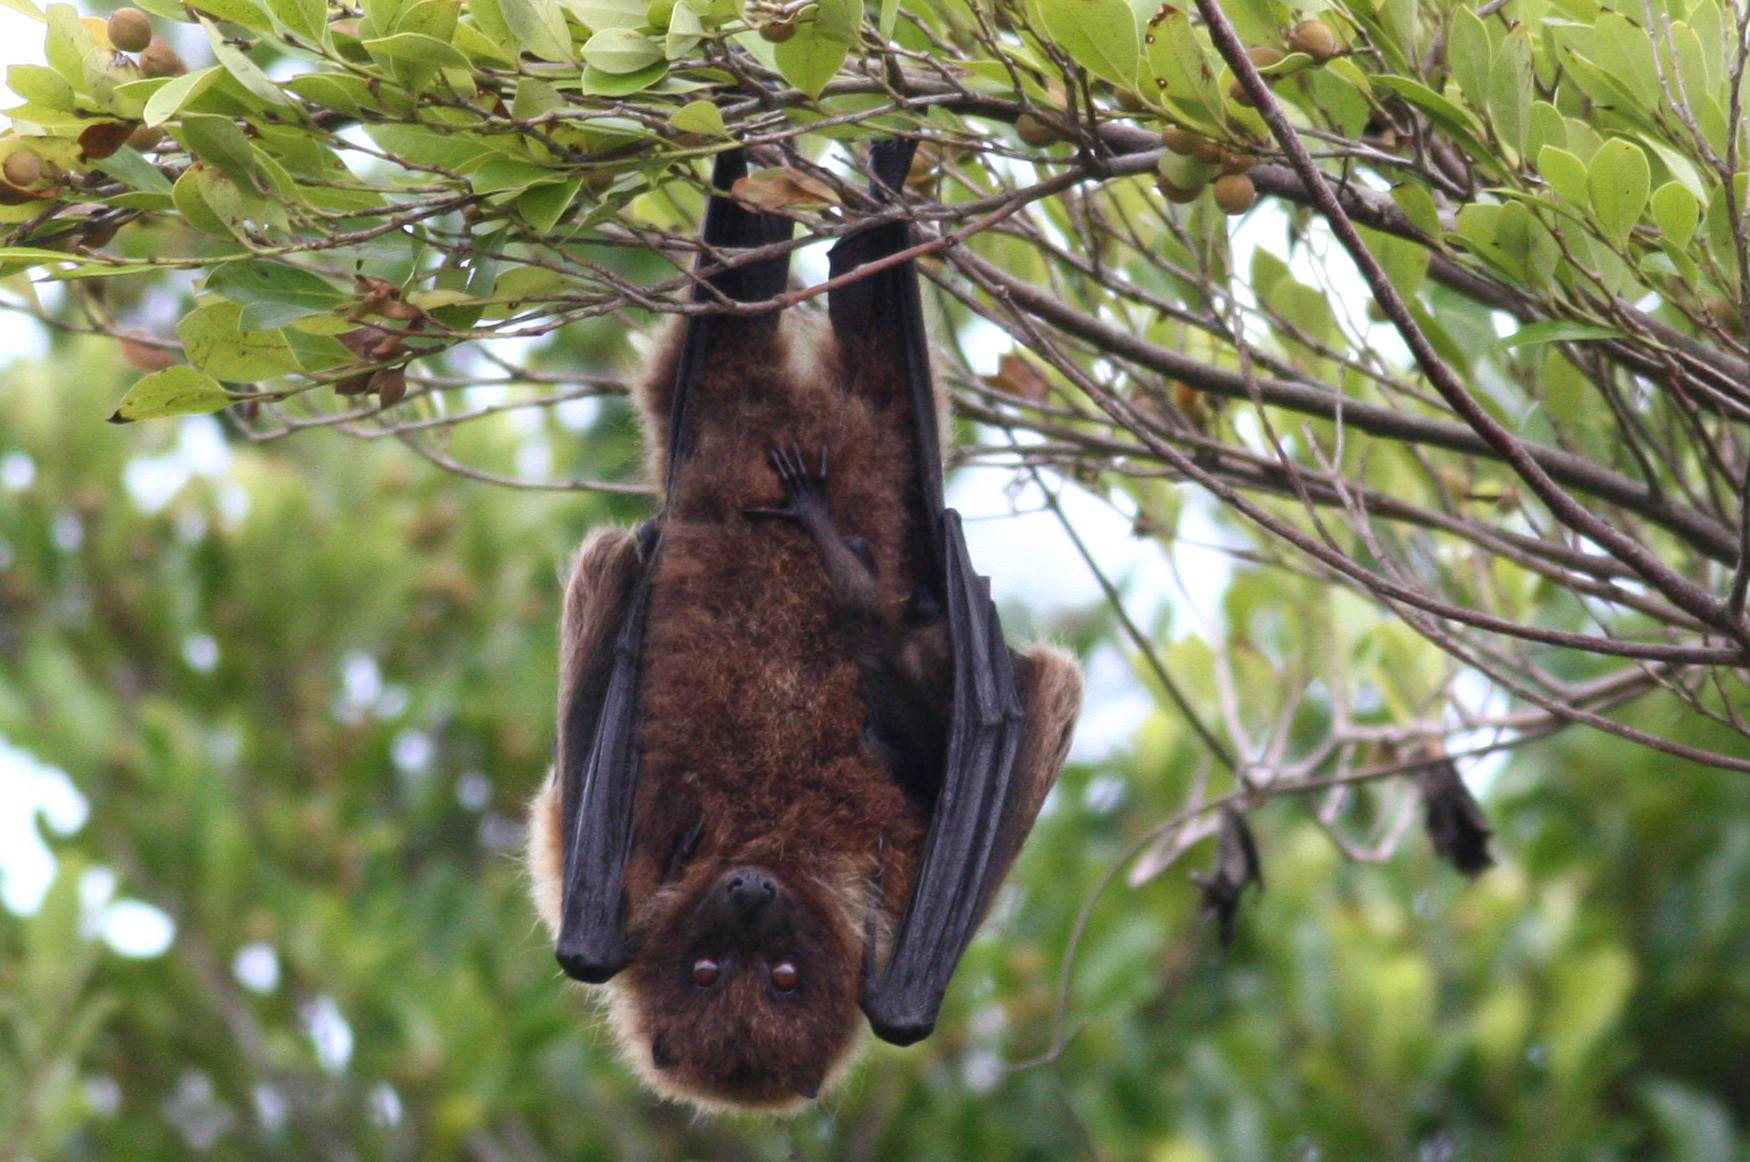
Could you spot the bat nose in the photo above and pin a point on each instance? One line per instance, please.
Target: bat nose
(749, 890)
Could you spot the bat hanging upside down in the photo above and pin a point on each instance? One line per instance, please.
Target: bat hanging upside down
(795, 756)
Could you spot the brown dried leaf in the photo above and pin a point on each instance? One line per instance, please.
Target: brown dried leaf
(779, 189)
(145, 357)
(1017, 377)
(104, 138)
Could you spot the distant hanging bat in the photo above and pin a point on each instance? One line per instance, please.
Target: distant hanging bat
(1236, 866)
(795, 756)
(1454, 819)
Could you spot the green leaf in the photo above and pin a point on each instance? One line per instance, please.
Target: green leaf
(172, 97)
(1625, 53)
(67, 43)
(175, 391)
(307, 18)
(1418, 205)
(218, 141)
(130, 168)
(597, 15)
(214, 338)
(209, 202)
(685, 30)
(1677, 212)
(273, 294)
(597, 83)
(41, 85)
(544, 205)
(245, 71)
(539, 27)
(619, 51)
(1618, 180)
(1511, 91)
(1099, 35)
(701, 117)
(417, 48)
(1566, 175)
(503, 175)
(812, 57)
(1184, 78)
(1469, 54)
(1452, 118)
(1558, 331)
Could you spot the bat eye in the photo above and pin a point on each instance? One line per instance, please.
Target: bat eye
(785, 975)
(706, 971)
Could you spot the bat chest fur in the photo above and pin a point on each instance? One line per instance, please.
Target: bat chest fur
(752, 710)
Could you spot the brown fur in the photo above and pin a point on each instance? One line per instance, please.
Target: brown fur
(752, 717)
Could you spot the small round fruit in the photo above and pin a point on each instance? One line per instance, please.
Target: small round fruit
(145, 137)
(778, 31)
(1173, 192)
(1181, 141)
(160, 60)
(23, 168)
(1035, 131)
(1237, 161)
(1234, 193)
(1264, 55)
(129, 29)
(1208, 151)
(1722, 310)
(1315, 39)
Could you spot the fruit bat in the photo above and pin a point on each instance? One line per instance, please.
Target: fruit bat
(1455, 822)
(1236, 866)
(795, 756)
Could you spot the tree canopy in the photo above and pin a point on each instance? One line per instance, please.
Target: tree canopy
(1430, 317)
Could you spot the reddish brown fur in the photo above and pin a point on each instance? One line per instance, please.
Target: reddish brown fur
(752, 713)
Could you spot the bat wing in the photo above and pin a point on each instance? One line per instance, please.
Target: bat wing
(983, 805)
(598, 752)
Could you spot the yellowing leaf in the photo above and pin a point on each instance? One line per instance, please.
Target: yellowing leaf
(175, 391)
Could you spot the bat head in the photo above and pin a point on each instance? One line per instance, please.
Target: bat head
(743, 991)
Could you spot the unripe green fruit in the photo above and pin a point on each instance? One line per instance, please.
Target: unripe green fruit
(1173, 192)
(1262, 56)
(23, 168)
(1722, 310)
(1035, 131)
(130, 29)
(1315, 39)
(1234, 193)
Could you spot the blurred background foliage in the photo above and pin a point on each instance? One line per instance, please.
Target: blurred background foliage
(303, 691)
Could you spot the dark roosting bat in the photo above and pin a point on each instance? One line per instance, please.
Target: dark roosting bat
(795, 756)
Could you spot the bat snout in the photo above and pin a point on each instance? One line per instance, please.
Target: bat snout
(748, 891)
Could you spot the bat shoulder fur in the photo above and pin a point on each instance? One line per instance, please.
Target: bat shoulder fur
(778, 702)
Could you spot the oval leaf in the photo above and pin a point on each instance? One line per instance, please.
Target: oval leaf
(1618, 180)
(175, 391)
(1099, 35)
